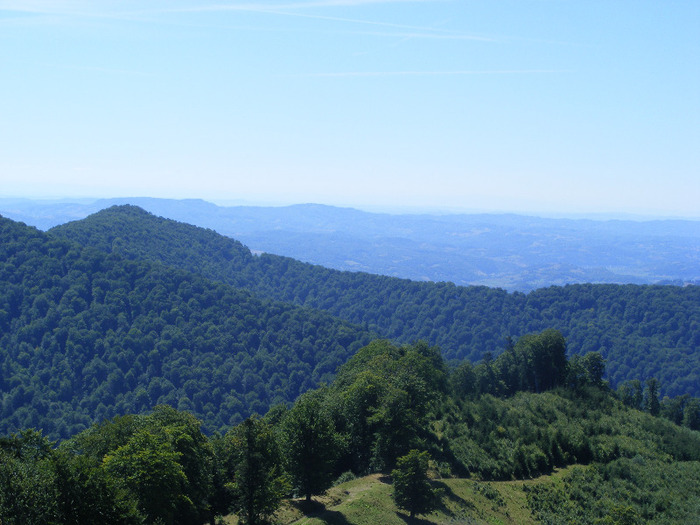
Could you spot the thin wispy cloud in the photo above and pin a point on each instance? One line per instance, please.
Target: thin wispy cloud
(303, 5)
(291, 11)
(98, 69)
(127, 10)
(45, 7)
(404, 36)
(84, 7)
(438, 73)
(41, 11)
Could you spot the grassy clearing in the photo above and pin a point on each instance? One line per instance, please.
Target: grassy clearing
(368, 501)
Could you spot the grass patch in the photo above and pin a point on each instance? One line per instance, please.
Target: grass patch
(368, 501)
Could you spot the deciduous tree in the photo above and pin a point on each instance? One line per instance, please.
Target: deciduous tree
(310, 444)
(258, 483)
(148, 467)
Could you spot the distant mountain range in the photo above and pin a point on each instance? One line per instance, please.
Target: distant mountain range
(513, 252)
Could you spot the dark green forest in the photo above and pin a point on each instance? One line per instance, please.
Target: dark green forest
(154, 372)
(104, 323)
(641, 331)
(87, 335)
(525, 413)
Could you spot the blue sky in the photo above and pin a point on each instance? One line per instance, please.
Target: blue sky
(540, 106)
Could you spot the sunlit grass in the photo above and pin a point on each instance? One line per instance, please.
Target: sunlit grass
(368, 501)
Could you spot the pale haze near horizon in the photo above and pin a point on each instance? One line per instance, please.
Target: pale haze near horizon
(542, 106)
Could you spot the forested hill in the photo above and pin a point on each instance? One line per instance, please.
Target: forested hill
(86, 335)
(588, 456)
(642, 331)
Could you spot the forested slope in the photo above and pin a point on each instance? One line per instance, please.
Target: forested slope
(86, 335)
(642, 331)
(388, 403)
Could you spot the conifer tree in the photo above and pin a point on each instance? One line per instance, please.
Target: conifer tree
(651, 401)
(412, 490)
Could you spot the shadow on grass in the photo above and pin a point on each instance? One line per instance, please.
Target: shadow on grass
(413, 521)
(444, 493)
(332, 517)
(308, 507)
(316, 509)
(447, 492)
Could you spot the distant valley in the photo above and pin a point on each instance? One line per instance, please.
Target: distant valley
(513, 252)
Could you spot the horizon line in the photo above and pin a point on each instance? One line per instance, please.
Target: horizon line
(386, 208)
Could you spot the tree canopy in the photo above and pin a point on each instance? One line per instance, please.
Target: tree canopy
(621, 322)
(87, 335)
(161, 467)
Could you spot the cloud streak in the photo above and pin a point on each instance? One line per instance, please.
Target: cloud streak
(291, 10)
(91, 8)
(134, 11)
(303, 5)
(97, 69)
(439, 73)
(433, 36)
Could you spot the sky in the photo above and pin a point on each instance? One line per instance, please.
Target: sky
(538, 106)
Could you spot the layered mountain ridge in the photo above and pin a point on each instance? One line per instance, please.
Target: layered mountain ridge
(509, 251)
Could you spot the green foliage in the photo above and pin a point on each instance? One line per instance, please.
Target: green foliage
(160, 467)
(463, 380)
(88, 494)
(346, 476)
(28, 484)
(641, 331)
(537, 362)
(585, 370)
(631, 394)
(259, 482)
(162, 460)
(149, 468)
(624, 491)
(88, 335)
(651, 397)
(41, 485)
(691, 414)
(184, 434)
(382, 401)
(529, 434)
(311, 445)
(412, 489)
(92, 333)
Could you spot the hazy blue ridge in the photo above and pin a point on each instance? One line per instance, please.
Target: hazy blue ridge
(513, 252)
